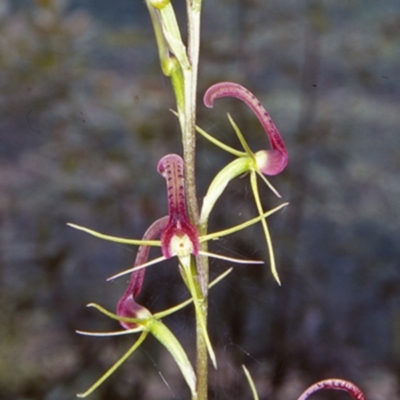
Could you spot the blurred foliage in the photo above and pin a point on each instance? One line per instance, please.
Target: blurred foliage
(84, 120)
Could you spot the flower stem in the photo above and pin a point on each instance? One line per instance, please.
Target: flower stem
(193, 8)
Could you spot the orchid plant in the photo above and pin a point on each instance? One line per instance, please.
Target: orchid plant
(183, 233)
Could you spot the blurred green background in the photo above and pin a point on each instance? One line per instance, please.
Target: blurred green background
(84, 120)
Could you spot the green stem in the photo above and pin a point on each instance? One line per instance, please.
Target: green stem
(189, 145)
(201, 345)
(184, 81)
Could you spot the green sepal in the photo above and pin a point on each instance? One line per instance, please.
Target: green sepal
(241, 138)
(243, 225)
(235, 168)
(171, 343)
(218, 143)
(271, 254)
(116, 238)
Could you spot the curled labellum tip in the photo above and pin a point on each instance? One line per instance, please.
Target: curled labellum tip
(269, 162)
(335, 384)
(127, 306)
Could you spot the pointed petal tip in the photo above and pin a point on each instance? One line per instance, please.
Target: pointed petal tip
(276, 277)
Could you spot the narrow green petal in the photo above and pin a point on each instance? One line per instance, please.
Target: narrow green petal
(137, 268)
(254, 186)
(116, 238)
(236, 228)
(251, 383)
(241, 139)
(229, 259)
(218, 143)
(115, 366)
(113, 333)
(178, 307)
(268, 183)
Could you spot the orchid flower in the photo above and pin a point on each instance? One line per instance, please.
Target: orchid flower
(334, 384)
(178, 237)
(264, 162)
(138, 319)
(326, 384)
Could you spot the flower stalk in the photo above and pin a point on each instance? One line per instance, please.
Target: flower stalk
(184, 83)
